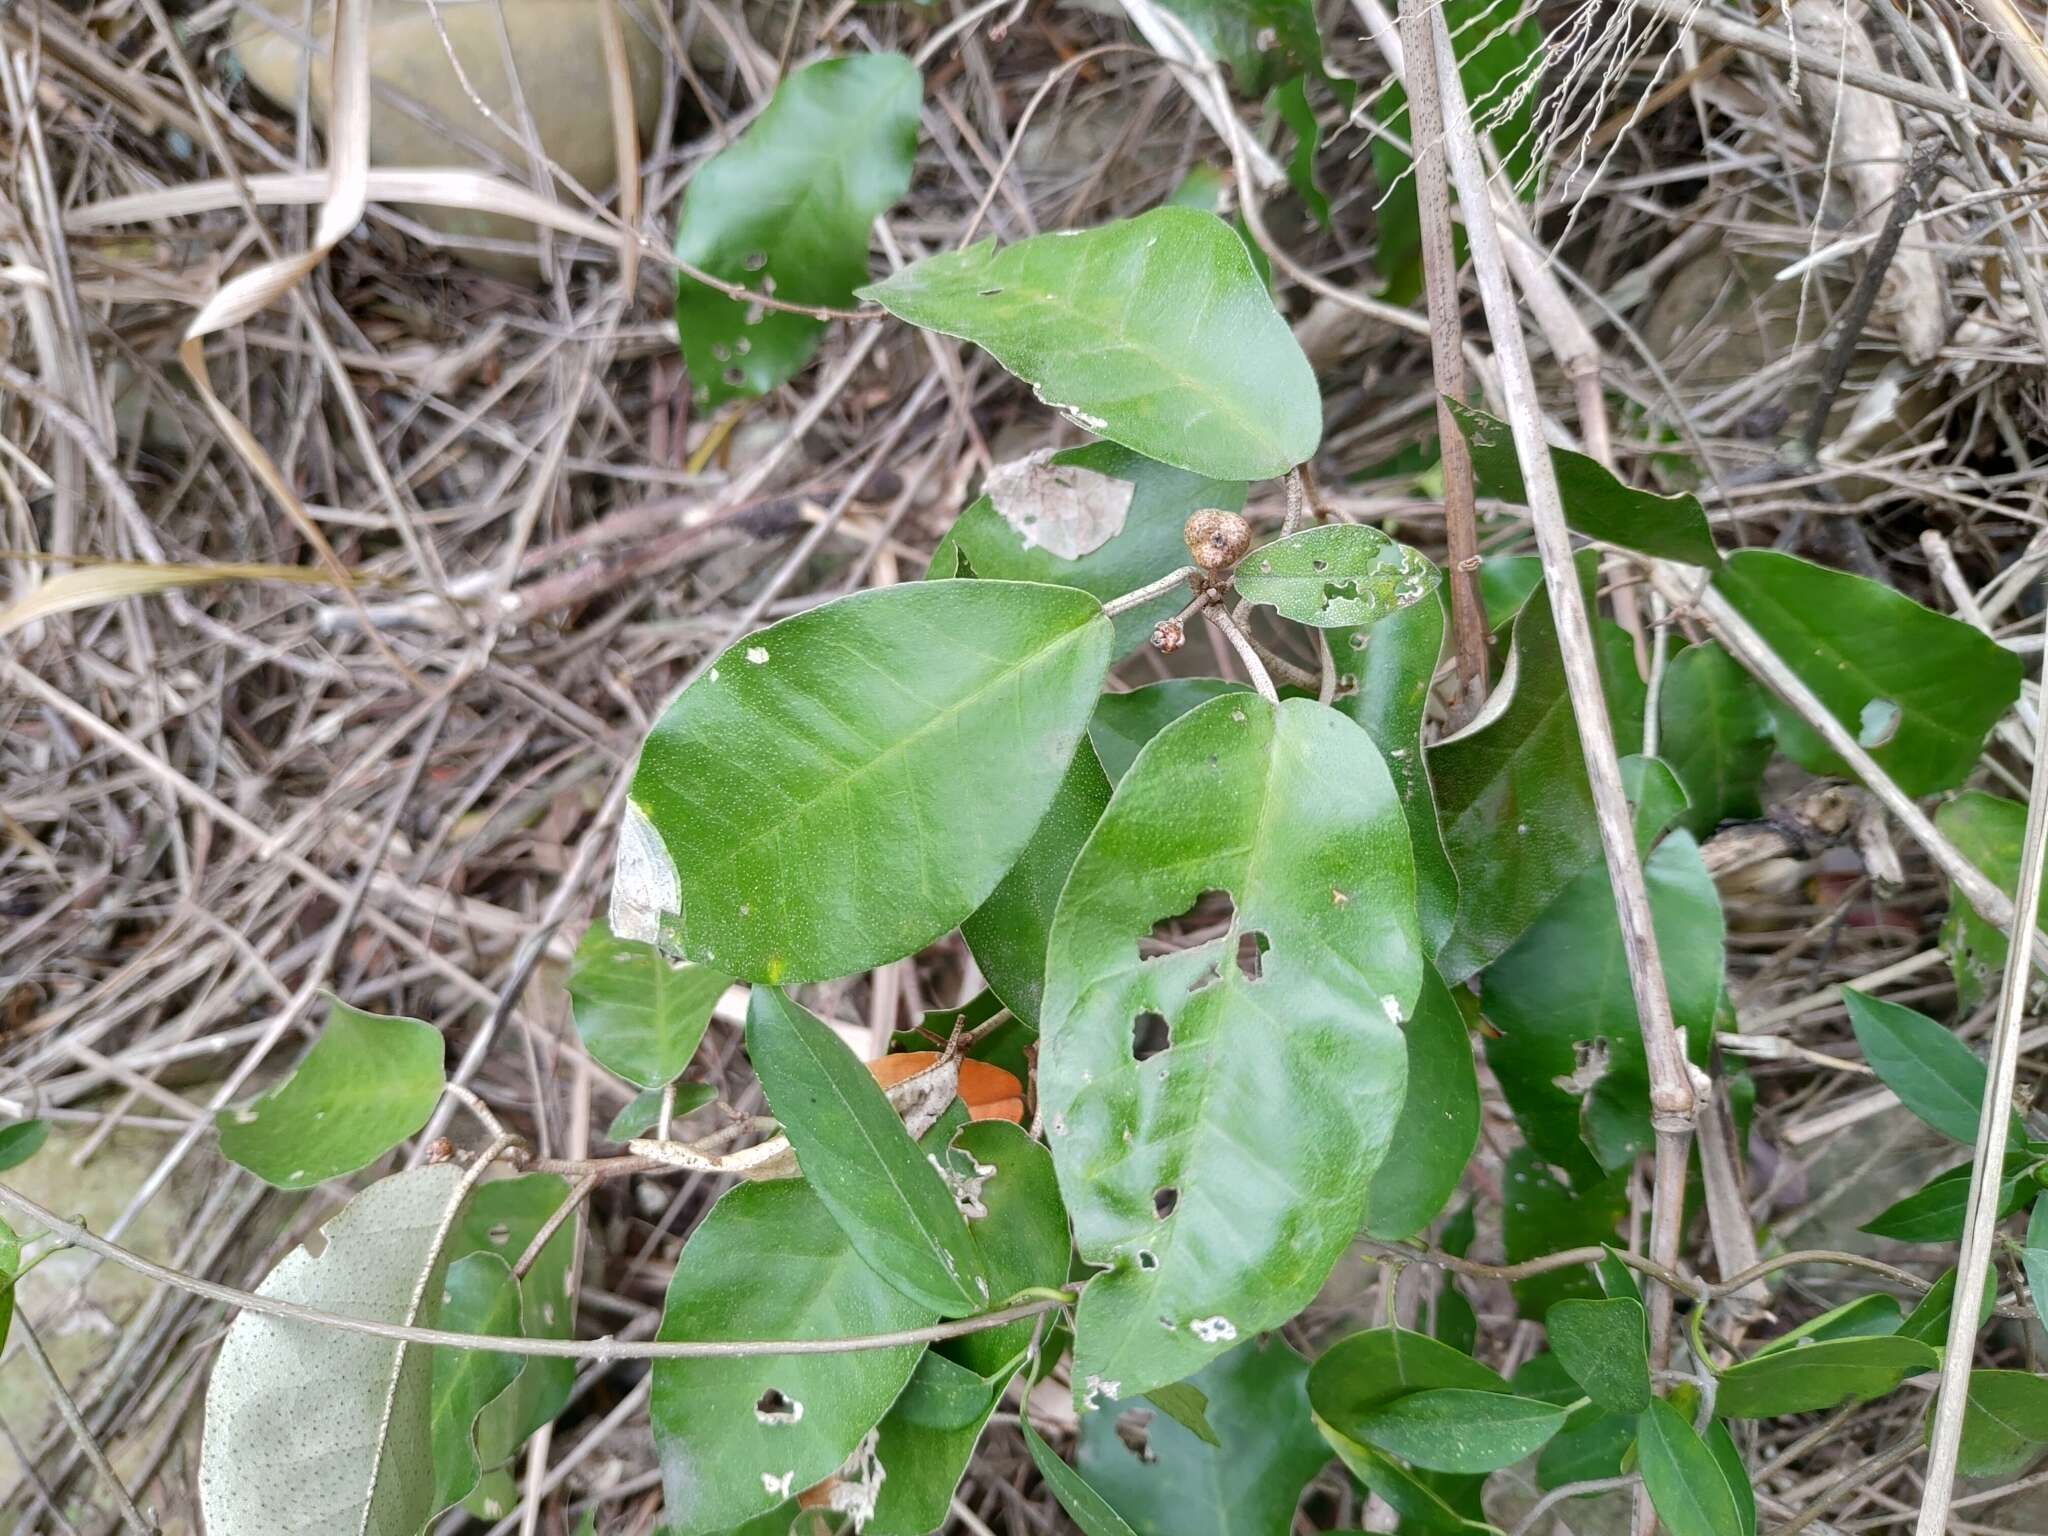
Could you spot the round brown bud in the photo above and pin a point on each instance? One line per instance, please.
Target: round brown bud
(1168, 635)
(440, 1150)
(1217, 540)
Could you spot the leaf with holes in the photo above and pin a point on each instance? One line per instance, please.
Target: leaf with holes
(1818, 1376)
(1920, 690)
(366, 1085)
(1124, 722)
(845, 786)
(784, 210)
(1604, 1344)
(1595, 502)
(1165, 1480)
(359, 1453)
(987, 544)
(2005, 1424)
(889, 1199)
(479, 1295)
(1936, 1076)
(1338, 576)
(1987, 830)
(1686, 1484)
(638, 1013)
(1154, 332)
(736, 1436)
(1384, 675)
(1714, 729)
(1219, 1180)
(1439, 1124)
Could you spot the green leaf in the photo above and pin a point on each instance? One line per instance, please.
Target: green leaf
(1420, 1506)
(1987, 830)
(878, 1184)
(1456, 1429)
(10, 1272)
(1148, 545)
(1289, 102)
(1936, 1076)
(1188, 1406)
(1384, 675)
(1248, 1482)
(1714, 729)
(1290, 810)
(2005, 1424)
(1817, 1376)
(1686, 1484)
(1154, 332)
(924, 1459)
(1505, 582)
(1262, 41)
(643, 1113)
(845, 786)
(769, 1262)
(20, 1140)
(1007, 934)
(1336, 576)
(1604, 1344)
(1124, 722)
(1084, 1506)
(478, 1295)
(1541, 1215)
(2033, 1257)
(1935, 1212)
(1595, 502)
(1366, 1371)
(1877, 1313)
(1722, 1446)
(359, 1450)
(640, 1015)
(1512, 797)
(1928, 1321)
(366, 1085)
(503, 1217)
(1568, 1051)
(785, 210)
(1921, 690)
(1439, 1124)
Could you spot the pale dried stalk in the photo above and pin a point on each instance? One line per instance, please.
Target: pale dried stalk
(1672, 1100)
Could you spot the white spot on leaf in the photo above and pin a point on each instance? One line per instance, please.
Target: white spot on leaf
(1213, 1330)
(758, 655)
(1063, 509)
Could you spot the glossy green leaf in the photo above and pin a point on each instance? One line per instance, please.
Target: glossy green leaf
(1366, 1371)
(1921, 690)
(1605, 1347)
(1384, 673)
(1456, 1429)
(1595, 502)
(1154, 332)
(1409, 1494)
(2005, 1424)
(1541, 1215)
(1817, 1376)
(1290, 810)
(478, 1295)
(1124, 722)
(1513, 801)
(366, 1085)
(1936, 1211)
(737, 1436)
(1008, 933)
(1188, 1406)
(357, 1407)
(993, 547)
(1686, 1484)
(1289, 102)
(2034, 1256)
(785, 210)
(1248, 1483)
(1439, 1124)
(1262, 41)
(10, 1272)
(1568, 1051)
(923, 1460)
(1936, 1076)
(20, 1140)
(1593, 1443)
(1714, 729)
(637, 1013)
(643, 1112)
(503, 1217)
(1987, 830)
(1928, 1321)
(1876, 1313)
(886, 1195)
(1722, 1446)
(845, 786)
(1084, 1506)
(1505, 582)
(1336, 576)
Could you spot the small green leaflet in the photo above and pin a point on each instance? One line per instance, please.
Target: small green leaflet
(1987, 830)
(1817, 1376)
(502, 1217)
(1367, 1370)
(1604, 1344)
(367, 1084)
(1686, 1483)
(639, 1014)
(10, 1272)
(1084, 1506)
(1876, 1313)
(845, 786)
(1935, 1212)
(2005, 1424)
(642, 1113)
(1714, 729)
(889, 1199)
(1336, 576)
(2034, 1257)
(1263, 41)
(784, 211)
(1439, 1124)
(1541, 1216)
(21, 1140)
(1154, 332)
(478, 1295)
(1936, 1076)
(1457, 1429)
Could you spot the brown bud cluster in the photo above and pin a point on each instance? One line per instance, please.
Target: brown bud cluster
(1217, 540)
(1168, 636)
